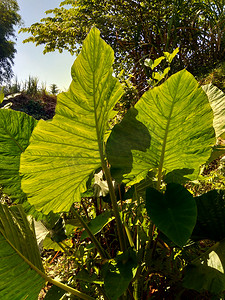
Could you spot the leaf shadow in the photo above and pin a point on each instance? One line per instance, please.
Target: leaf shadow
(130, 134)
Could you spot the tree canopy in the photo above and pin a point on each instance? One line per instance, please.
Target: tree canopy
(137, 30)
(9, 17)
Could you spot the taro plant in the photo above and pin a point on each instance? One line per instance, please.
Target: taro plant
(139, 241)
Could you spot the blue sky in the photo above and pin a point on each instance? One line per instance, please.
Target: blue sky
(50, 68)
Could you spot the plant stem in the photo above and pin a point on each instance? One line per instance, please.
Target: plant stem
(115, 208)
(129, 235)
(91, 235)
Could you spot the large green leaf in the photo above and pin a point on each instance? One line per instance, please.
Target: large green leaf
(173, 212)
(65, 151)
(18, 246)
(180, 123)
(15, 131)
(217, 101)
(206, 273)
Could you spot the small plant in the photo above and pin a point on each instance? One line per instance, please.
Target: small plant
(113, 199)
(54, 89)
(159, 75)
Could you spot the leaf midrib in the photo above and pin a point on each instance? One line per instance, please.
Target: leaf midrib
(96, 119)
(164, 147)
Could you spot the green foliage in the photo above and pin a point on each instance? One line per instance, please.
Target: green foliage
(169, 112)
(15, 132)
(82, 116)
(54, 89)
(211, 212)
(98, 223)
(9, 17)
(137, 30)
(216, 98)
(130, 247)
(207, 272)
(17, 238)
(119, 272)
(173, 212)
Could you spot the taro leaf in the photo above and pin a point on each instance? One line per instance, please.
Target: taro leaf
(18, 252)
(118, 273)
(173, 212)
(98, 223)
(211, 216)
(207, 272)
(65, 151)
(55, 293)
(180, 122)
(217, 100)
(15, 131)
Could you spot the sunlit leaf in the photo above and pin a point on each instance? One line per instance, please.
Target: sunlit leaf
(170, 56)
(65, 151)
(217, 101)
(179, 119)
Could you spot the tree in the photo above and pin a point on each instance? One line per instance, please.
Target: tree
(137, 30)
(54, 89)
(9, 18)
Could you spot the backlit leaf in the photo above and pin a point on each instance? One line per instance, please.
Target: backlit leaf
(65, 151)
(179, 119)
(217, 101)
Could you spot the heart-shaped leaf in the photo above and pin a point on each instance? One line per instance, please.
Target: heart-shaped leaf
(173, 212)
